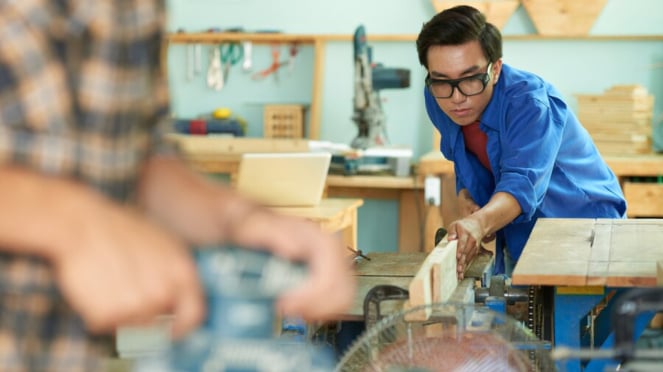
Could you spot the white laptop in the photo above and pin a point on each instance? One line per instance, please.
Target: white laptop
(284, 179)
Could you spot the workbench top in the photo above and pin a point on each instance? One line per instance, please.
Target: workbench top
(396, 269)
(622, 165)
(591, 252)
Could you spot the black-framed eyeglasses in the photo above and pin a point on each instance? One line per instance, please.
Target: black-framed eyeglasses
(467, 86)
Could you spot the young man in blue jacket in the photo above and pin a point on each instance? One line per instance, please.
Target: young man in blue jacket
(519, 152)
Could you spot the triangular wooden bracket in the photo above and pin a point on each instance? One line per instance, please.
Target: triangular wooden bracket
(564, 17)
(497, 12)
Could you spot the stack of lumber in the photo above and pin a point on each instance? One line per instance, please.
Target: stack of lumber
(619, 120)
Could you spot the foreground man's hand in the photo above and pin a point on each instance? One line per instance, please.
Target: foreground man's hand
(116, 268)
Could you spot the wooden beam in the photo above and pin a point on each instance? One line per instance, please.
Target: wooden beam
(435, 281)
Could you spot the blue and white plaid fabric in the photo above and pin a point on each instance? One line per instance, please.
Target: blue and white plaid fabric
(82, 95)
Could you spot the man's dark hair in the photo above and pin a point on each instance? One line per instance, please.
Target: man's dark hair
(456, 26)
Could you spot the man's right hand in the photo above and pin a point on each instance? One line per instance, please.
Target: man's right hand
(113, 266)
(117, 268)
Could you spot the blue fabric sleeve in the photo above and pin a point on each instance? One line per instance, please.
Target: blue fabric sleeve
(530, 144)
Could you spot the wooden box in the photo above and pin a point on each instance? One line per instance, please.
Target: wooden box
(643, 199)
(283, 121)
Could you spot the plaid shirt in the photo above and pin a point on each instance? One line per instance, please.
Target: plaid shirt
(81, 93)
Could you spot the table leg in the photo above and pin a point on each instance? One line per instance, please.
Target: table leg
(349, 231)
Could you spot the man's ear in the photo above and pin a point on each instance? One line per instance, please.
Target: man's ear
(497, 70)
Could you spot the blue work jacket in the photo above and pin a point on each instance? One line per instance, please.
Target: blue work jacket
(539, 153)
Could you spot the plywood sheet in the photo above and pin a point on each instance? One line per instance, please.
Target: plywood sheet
(611, 252)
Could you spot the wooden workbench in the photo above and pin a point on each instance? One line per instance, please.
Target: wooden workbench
(333, 215)
(222, 155)
(644, 199)
(591, 252)
(396, 269)
(399, 269)
(589, 262)
(408, 191)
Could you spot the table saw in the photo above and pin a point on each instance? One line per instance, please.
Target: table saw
(590, 264)
(380, 275)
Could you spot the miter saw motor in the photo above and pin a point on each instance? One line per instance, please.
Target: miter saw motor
(241, 332)
(370, 78)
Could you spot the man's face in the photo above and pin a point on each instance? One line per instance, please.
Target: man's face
(459, 61)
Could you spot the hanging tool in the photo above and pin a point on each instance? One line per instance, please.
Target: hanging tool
(230, 55)
(247, 65)
(294, 50)
(215, 71)
(193, 61)
(273, 68)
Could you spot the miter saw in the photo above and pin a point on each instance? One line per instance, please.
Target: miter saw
(370, 78)
(371, 145)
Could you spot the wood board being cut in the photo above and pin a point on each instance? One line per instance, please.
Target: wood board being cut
(435, 281)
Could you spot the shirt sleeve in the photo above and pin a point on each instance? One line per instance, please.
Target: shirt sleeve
(530, 143)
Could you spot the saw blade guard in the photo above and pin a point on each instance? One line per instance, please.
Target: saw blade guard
(457, 337)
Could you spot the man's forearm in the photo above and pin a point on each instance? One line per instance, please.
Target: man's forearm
(36, 211)
(497, 213)
(196, 208)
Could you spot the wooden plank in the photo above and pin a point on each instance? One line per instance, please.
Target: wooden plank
(317, 81)
(631, 274)
(617, 252)
(391, 264)
(643, 199)
(222, 145)
(635, 165)
(333, 215)
(363, 193)
(435, 281)
(271, 38)
(383, 182)
(410, 212)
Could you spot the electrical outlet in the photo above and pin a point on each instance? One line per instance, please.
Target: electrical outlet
(432, 190)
